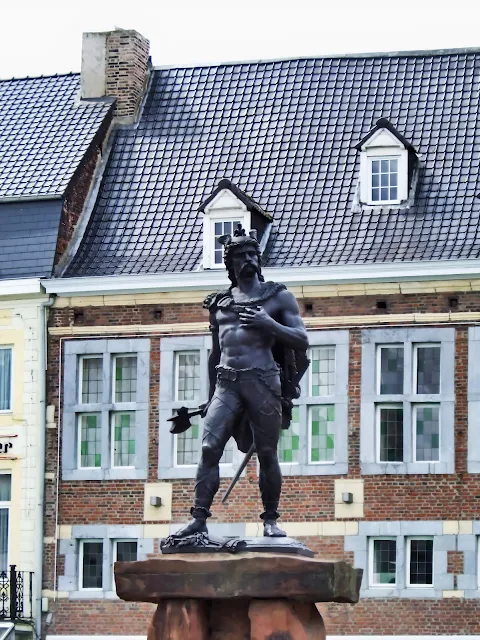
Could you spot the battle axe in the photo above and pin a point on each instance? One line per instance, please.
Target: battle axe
(181, 422)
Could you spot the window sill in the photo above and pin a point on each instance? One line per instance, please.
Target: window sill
(314, 469)
(128, 473)
(178, 473)
(407, 468)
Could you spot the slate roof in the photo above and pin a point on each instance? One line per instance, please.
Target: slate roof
(284, 132)
(28, 238)
(44, 133)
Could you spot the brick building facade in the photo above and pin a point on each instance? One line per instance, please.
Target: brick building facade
(441, 507)
(360, 182)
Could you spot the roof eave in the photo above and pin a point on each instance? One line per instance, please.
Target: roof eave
(290, 276)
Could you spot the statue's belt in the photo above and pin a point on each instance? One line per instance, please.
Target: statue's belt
(254, 373)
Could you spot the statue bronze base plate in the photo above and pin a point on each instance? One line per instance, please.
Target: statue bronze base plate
(204, 543)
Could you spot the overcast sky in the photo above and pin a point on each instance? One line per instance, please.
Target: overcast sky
(44, 36)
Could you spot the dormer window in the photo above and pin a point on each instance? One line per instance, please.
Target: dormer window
(384, 177)
(387, 163)
(223, 211)
(221, 228)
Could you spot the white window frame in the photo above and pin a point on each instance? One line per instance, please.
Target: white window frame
(79, 436)
(80, 565)
(378, 408)
(92, 356)
(371, 563)
(7, 504)
(167, 448)
(107, 350)
(425, 405)
(10, 408)
(372, 340)
(339, 339)
(423, 345)
(113, 365)
(408, 558)
(225, 207)
(371, 159)
(112, 440)
(115, 541)
(378, 372)
(175, 373)
(383, 145)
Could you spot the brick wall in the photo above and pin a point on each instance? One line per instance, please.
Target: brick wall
(308, 498)
(78, 189)
(127, 58)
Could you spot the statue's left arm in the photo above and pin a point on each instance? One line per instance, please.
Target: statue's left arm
(290, 331)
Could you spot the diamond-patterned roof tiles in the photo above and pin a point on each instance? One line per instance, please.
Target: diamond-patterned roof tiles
(284, 132)
(44, 132)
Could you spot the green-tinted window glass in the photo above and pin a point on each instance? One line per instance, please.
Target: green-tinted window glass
(289, 442)
(124, 439)
(90, 440)
(125, 378)
(322, 433)
(322, 371)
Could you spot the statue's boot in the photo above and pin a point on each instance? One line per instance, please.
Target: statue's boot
(270, 527)
(197, 525)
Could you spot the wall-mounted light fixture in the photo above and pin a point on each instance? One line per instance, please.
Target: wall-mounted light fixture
(155, 501)
(347, 497)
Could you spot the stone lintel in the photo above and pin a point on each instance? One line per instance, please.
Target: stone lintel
(241, 575)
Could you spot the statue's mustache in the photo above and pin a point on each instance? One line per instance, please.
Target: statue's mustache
(249, 267)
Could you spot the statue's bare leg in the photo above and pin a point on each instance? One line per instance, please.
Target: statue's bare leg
(217, 430)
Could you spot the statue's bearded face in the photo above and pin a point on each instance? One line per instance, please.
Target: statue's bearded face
(245, 261)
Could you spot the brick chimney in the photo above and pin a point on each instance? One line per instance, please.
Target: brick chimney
(115, 64)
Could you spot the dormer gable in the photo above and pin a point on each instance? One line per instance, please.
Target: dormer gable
(387, 163)
(222, 211)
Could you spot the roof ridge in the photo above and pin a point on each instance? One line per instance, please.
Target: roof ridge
(414, 53)
(41, 77)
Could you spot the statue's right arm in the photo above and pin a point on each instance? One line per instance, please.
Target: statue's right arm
(214, 358)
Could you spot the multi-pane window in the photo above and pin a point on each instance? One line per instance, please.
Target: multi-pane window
(5, 498)
(391, 369)
(90, 439)
(91, 564)
(322, 433)
(221, 228)
(316, 441)
(390, 440)
(384, 179)
(188, 376)
(125, 550)
(123, 431)
(289, 442)
(427, 433)
(188, 390)
(425, 418)
(427, 368)
(322, 377)
(123, 371)
(408, 400)
(5, 379)
(420, 562)
(125, 380)
(106, 409)
(383, 562)
(91, 379)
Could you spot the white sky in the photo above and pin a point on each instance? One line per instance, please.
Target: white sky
(44, 36)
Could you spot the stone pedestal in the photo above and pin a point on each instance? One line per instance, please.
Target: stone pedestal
(245, 596)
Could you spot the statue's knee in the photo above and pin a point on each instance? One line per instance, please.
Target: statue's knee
(267, 455)
(211, 454)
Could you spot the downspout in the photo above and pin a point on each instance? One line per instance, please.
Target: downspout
(41, 461)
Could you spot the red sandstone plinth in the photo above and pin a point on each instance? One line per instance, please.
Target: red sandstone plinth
(245, 596)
